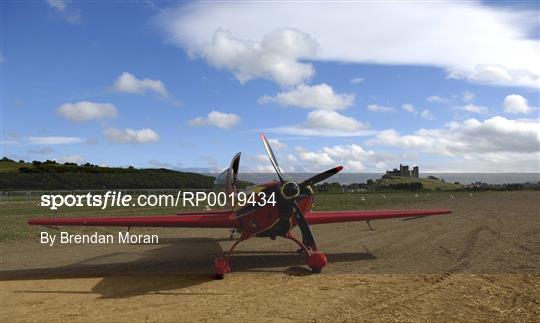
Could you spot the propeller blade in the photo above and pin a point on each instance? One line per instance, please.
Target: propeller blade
(272, 158)
(321, 177)
(307, 236)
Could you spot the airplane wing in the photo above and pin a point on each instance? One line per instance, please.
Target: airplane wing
(323, 217)
(198, 219)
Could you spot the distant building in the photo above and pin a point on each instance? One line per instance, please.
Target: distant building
(404, 171)
(394, 172)
(415, 172)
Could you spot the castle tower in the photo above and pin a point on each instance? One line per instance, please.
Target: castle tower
(415, 172)
(404, 170)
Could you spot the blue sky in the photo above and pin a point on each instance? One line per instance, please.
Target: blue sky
(452, 87)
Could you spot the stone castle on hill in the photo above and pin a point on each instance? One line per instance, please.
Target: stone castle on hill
(404, 171)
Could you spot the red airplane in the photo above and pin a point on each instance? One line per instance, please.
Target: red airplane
(293, 202)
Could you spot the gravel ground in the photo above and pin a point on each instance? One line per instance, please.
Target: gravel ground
(479, 263)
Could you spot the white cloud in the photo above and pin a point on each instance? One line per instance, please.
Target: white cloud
(357, 80)
(85, 111)
(468, 96)
(473, 108)
(426, 114)
(53, 140)
(341, 152)
(493, 145)
(262, 169)
(320, 96)
(379, 108)
(274, 56)
(437, 99)
(59, 5)
(124, 136)
(128, 83)
(41, 151)
(515, 104)
(354, 166)
(507, 162)
(353, 157)
(331, 120)
(260, 158)
(409, 108)
(381, 166)
(317, 158)
(217, 119)
(482, 43)
(470, 137)
(300, 131)
(327, 123)
(77, 159)
(159, 164)
(498, 75)
(71, 15)
(291, 158)
(277, 144)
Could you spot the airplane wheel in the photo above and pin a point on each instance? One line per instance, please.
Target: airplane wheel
(316, 261)
(220, 267)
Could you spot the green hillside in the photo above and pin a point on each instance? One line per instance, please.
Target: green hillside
(7, 165)
(408, 183)
(50, 175)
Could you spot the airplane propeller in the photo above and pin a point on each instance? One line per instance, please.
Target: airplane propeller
(291, 190)
(272, 157)
(321, 177)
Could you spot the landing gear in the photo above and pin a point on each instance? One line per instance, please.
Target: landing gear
(315, 260)
(221, 265)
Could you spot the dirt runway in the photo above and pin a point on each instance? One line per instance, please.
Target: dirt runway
(479, 263)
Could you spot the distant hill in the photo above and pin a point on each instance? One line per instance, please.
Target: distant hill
(411, 183)
(50, 175)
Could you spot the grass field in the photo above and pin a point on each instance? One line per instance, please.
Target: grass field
(13, 215)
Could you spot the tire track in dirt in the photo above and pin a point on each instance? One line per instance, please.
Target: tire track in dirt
(438, 283)
(468, 252)
(465, 257)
